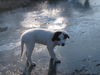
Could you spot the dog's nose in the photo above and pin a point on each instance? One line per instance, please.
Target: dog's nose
(63, 44)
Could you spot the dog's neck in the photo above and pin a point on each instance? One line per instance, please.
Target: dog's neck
(55, 43)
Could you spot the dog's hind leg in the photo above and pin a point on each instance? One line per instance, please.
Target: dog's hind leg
(29, 47)
(29, 65)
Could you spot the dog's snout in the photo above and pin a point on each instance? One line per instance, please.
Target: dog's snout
(63, 44)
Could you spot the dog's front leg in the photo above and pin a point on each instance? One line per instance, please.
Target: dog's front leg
(52, 54)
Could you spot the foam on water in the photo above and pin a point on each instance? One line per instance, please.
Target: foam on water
(44, 19)
(9, 46)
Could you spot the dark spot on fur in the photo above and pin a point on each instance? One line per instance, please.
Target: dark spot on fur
(56, 36)
(66, 36)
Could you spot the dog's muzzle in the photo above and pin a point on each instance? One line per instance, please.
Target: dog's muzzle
(62, 44)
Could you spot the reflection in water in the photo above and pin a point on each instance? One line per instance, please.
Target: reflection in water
(52, 68)
(51, 71)
(28, 69)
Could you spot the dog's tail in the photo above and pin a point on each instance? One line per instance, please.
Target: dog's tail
(22, 46)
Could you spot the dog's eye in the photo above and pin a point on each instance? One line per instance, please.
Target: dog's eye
(65, 37)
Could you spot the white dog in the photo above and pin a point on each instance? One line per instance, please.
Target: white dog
(42, 36)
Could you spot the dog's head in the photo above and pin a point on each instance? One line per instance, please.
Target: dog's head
(60, 37)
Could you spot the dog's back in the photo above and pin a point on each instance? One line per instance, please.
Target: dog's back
(37, 35)
(43, 36)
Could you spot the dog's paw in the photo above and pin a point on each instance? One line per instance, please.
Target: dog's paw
(33, 64)
(56, 61)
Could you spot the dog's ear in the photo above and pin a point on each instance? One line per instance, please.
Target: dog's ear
(55, 36)
(66, 36)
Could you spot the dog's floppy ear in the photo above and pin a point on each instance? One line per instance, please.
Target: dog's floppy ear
(66, 36)
(55, 36)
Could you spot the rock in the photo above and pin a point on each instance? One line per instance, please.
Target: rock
(2, 29)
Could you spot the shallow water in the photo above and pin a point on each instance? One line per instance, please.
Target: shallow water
(81, 50)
